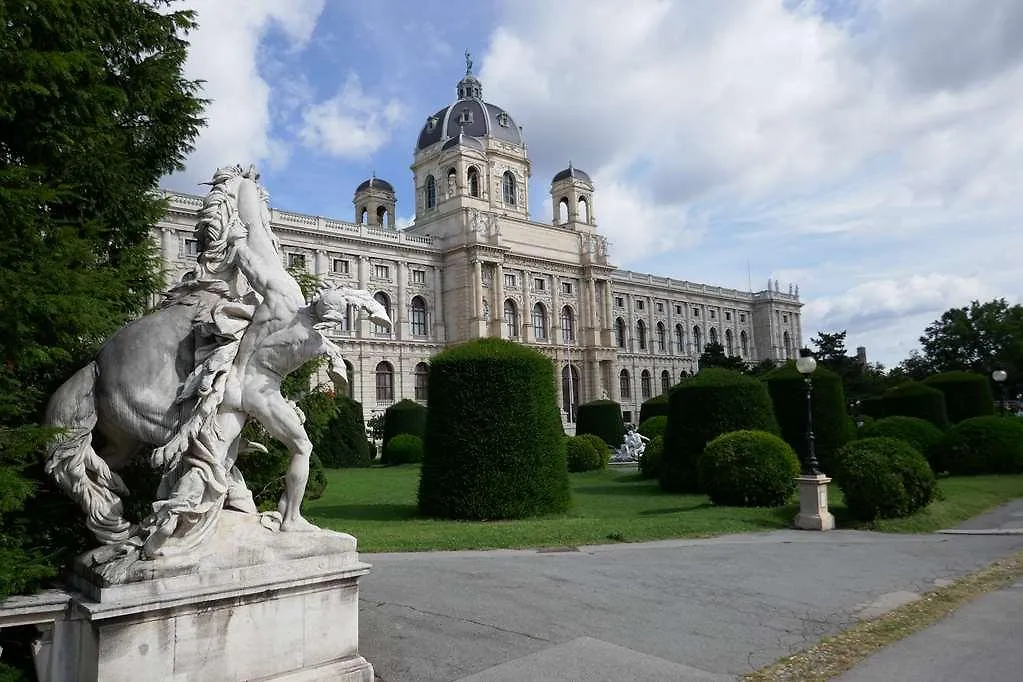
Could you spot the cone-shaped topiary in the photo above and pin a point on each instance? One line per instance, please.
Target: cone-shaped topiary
(967, 394)
(344, 443)
(982, 445)
(404, 416)
(650, 460)
(713, 402)
(883, 478)
(748, 469)
(914, 399)
(654, 407)
(602, 418)
(494, 446)
(921, 434)
(832, 427)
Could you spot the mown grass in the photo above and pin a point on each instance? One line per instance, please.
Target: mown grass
(378, 505)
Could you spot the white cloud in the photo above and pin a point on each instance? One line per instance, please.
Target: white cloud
(351, 124)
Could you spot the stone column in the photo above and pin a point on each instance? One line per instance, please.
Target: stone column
(477, 289)
(527, 310)
(591, 302)
(362, 330)
(322, 263)
(608, 314)
(401, 305)
(556, 310)
(498, 308)
(438, 304)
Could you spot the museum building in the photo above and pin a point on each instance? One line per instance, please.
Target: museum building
(474, 264)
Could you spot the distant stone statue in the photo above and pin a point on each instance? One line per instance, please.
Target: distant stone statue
(633, 445)
(180, 383)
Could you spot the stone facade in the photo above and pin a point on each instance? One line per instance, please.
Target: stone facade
(474, 264)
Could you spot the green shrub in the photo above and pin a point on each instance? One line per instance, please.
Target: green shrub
(872, 407)
(650, 460)
(967, 394)
(982, 445)
(914, 399)
(654, 407)
(748, 469)
(264, 473)
(702, 408)
(582, 454)
(832, 427)
(344, 443)
(883, 478)
(602, 418)
(404, 416)
(601, 448)
(653, 427)
(403, 449)
(494, 446)
(922, 435)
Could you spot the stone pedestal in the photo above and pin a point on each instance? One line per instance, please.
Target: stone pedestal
(256, 605)
(813, 503)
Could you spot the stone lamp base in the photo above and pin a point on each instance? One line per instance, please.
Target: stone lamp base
(813, 503)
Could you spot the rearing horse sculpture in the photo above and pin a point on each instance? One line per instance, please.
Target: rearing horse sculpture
(179, 383)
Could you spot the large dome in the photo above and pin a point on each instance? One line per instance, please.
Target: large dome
(469, 116)
(375, 183)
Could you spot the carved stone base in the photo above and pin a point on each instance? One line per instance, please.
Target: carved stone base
(279, 606)
(813, 503)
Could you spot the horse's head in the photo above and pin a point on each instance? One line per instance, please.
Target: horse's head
(330, 305)
(235, 204)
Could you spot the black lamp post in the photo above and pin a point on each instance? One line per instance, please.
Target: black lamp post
(1000, 375)
(806, 364)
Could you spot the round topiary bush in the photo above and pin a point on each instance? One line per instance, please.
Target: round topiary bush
(982, 445)
(404, 416)
(599, 446)
(653, 427)
(748, 469)
(922, 435)
(967, 394)
(713, 402)
(601, 418)
(914, 399)
(403, 449)
(582, 454)
(494, 446)
(883, 478)
(650, 460)
(654, 407)
(832, 427)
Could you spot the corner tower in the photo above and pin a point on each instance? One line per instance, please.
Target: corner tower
(374, 202)
(572, 199)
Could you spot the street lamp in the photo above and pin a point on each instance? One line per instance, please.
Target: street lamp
(806, 364)
(1000, 375)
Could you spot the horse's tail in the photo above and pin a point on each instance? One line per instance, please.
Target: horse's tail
(72, 461)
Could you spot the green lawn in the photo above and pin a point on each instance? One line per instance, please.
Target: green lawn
(378, 505)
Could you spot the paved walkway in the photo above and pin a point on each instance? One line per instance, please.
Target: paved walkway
(674, 610)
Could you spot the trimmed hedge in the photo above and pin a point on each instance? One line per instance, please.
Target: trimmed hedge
(404, 416)
(914, 399)
(921, 434)
(653, 427)
(884, 478)
(344, 441)
(872, 407)
(748, 469)
(967, 394)
(702, 408)
(583, 454)
(404, 448)
(982, 445)
(654, 407)
(832, 426)
(494, 446)
(650, 460)
(601, 418)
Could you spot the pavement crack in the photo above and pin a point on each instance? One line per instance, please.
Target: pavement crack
(472, 621)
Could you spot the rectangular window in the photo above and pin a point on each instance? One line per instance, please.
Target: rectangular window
(619, 302)
(678, 310)
(385, 386)
(627, 416)
(639, 305)
(784, 318)
(712, 314)
(539, 283)
(566, 288)
(419, 276)
(340, 266)
(696, 312)
(728, 316)
(660, 307)
(742, 317)
(382, 272)
(191, 248)
(509, 281)
(296, 260)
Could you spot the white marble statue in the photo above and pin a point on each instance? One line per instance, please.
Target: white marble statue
(633, 445)
(179, 384)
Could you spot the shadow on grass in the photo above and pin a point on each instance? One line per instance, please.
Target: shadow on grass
(676, 510)
(367, 512)
(615, 489)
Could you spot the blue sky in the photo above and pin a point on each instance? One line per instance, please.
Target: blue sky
(870, 151)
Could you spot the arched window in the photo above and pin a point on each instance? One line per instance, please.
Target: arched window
(381, 215)
(567, 325)
(422, 374)
(641, 334)
(729, 345)
(363, 215)
(713, 335)
(385, 382)
(381, 298)
(570, 390)
(661, 342)
(625, 385)
(418, 316)
(787, 342)
(744, 344)
(539, 322)
(665, 381)
(680, 340)
(697, 341)
(583, 210)
(474, 181)
(563, 213)
(431, 192)
(511, 319)
(645, 388)
(508, 188)
(620, 332)
(452, 182)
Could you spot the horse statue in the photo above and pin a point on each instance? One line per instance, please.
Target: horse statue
(179, 384)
